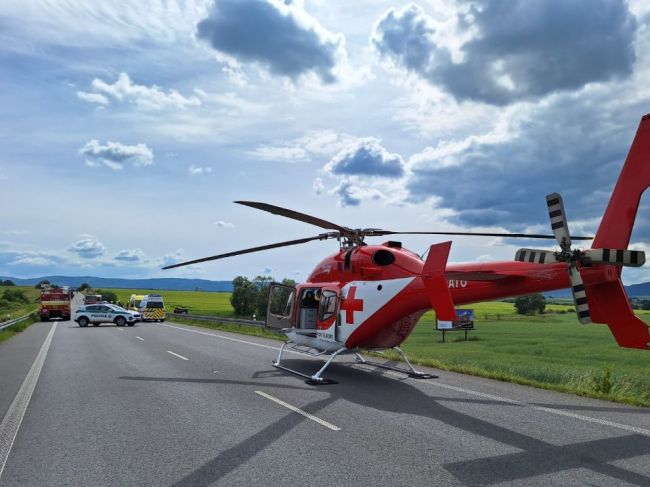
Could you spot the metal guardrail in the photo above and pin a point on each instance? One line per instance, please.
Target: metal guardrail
(7, 324)
(220, 319)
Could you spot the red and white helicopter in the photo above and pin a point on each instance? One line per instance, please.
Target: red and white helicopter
(370, 297)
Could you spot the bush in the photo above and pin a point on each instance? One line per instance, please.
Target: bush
(531, 304)
(15, 295)
(108, 296)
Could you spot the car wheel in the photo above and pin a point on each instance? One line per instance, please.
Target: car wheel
(83, 321)
(163, 320)
(120, 321)
(132, 323)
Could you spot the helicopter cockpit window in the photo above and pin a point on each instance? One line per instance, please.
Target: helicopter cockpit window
(327, 305)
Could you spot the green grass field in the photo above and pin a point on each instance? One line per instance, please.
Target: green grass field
(197, 302)
(552, 351)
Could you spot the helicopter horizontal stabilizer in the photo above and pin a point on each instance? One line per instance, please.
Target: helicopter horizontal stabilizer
(435, 282)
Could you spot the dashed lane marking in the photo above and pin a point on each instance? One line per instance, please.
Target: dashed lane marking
(140, 338)
(316, 419)
(177, 355)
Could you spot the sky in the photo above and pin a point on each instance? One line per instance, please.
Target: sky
(128, 128)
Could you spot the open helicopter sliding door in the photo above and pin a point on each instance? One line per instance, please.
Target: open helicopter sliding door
(279, 311)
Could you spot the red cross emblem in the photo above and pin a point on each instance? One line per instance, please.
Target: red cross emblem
(350, 305)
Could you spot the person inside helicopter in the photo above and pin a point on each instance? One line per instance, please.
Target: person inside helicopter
(309, 308)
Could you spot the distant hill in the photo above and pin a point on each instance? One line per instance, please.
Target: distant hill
(633, 291)
(169, 283)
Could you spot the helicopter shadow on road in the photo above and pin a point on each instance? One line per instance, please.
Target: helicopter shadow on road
(375, 390)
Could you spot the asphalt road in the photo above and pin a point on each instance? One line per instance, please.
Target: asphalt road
(173, 405)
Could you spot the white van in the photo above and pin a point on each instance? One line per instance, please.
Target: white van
(152, 308)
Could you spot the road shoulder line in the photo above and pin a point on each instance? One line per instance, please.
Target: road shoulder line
(14, 417)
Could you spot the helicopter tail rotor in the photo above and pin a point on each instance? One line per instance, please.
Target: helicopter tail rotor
(576, 258)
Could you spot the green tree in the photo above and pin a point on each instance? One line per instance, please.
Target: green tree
(84, 286)
(263, 284)
(108, 296)
(7, 282)
(530, 304)
(42, 284)
(244, 296)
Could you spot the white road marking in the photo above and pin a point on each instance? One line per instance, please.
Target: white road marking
(119, 329)
(231, 339)
(14, 417)
(176, 355)
(140, 338)
(322, 422)
(558, 412)
(220, 336)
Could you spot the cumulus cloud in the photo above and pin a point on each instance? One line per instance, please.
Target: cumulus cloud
(197, 170)
(515, 50)
(223, 224)
(88, 247)
(366, 157)
(572, 145)
(313, 145)
(318, 186)
(148, 97)
(280, 36)
(115, 154)
(172, 258)
(93, 97)
(130, 255)
(345, 192)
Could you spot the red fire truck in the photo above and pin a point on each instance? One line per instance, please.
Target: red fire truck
(55, 303)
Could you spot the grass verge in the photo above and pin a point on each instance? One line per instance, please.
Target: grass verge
(10, 331)
(232, 327)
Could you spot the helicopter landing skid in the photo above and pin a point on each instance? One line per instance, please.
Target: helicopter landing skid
(410, 372)
(315, 379)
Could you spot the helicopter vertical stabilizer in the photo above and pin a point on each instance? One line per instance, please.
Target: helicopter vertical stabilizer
(435, 282)
(608, 301)
(616, 226)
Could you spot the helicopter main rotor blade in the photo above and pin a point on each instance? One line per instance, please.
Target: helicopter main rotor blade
(296, 215)
(322, 236)
(479, 234)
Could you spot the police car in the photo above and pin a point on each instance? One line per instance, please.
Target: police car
(105, 313)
